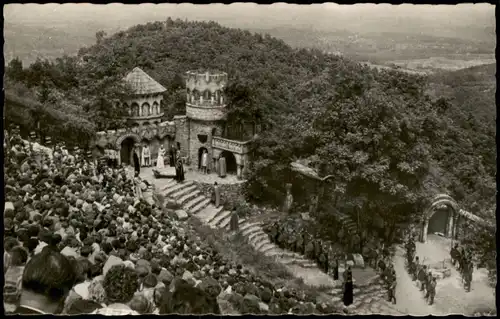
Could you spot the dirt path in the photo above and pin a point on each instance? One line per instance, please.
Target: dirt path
(410, 300)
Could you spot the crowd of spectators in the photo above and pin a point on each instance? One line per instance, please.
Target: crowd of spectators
(79, 238)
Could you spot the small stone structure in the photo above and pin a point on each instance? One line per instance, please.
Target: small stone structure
(453, 219)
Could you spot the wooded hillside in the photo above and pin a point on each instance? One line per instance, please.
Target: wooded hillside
(389, 143)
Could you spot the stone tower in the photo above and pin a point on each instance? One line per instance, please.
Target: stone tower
(205, 112)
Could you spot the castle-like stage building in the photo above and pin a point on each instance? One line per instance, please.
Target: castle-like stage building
(202, 128)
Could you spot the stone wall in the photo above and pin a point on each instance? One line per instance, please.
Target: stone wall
(206, 113)
(205, 128)
(229, 193)
(182, 133)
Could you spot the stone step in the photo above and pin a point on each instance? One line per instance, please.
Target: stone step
(168, 185)
(177, 187)
(201, 205)
(255, 234)
(225, 223)
(267, 247)
(257, 240)
(299, 262)
(283, 254)
(193, 202)
(251, 238)
(222, 215)
(188, 196)
(250, 230)
(246, 225)
(208, 213)
(183, 191)
(261, 243)
(216, 216)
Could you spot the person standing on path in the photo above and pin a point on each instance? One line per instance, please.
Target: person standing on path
(234, 222)
(146, 154)
(137, 164)
(416, 269)
(428, 280)
(180, 167)
(391, 287)
(348, 287)
(172, 160)
(204, 162)
(432, 290)
(422, 277)
(216, 195)
(336, 269)
(454, 254)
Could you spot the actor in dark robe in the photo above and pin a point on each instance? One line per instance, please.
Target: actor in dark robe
(137, 163)
(336, 269)
(179, 170)
(216, 195)
(234, 223)
(326, 264)
(171, 157)
(348, 287)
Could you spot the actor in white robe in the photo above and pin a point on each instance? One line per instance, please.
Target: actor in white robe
(160, 162)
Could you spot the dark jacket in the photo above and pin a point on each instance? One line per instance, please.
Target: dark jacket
(137, 165)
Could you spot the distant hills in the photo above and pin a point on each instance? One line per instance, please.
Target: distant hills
(365, 32)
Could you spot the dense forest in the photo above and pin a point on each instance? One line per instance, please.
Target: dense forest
(392, 140)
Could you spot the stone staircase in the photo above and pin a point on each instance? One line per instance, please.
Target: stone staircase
(195, 204)
(347, 222)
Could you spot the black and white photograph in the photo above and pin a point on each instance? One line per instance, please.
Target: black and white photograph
(244, 158)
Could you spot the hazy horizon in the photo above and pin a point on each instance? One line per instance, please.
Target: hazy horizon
(380, 31)
(358, 17)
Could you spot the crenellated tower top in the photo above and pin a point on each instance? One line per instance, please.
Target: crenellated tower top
(205, 95)
(203, 80)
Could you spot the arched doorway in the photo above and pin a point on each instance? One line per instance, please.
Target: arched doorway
(126, 149)
(231, 166)
(438, 221)
(443, 207)
(200, 154)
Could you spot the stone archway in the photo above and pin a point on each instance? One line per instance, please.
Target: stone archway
(231, 163)
(435, 208)
(125, 144)
(200, 154)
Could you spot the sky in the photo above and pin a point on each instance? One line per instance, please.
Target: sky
(359, 17)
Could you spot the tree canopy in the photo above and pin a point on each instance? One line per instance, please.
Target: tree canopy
(391, 139)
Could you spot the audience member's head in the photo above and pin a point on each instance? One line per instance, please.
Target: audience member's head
(120, 284)
(83, 306)
(86, 251)
(32, 244)
(187, 299)
(141, 304)
(48, 278)
(10, 243)
(150, 281)
(19, 256)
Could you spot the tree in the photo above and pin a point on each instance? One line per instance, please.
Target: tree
(15, 70)
(103, 103)
(100, 35)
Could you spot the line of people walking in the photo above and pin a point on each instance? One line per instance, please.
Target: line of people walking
(420, 272)
(461, 257)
